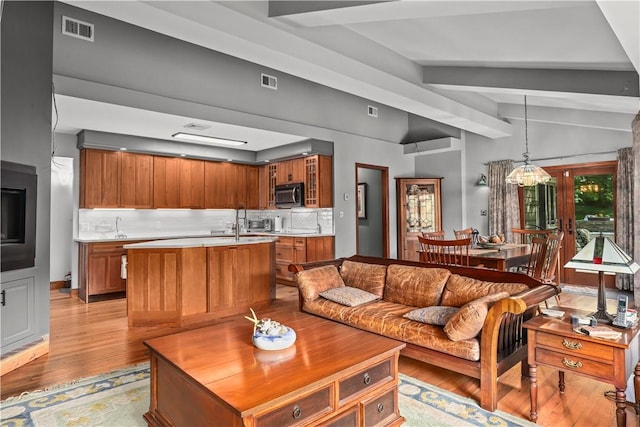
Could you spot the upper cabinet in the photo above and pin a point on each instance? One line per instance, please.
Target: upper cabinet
(419, 210)
(115, 179)
(318, 181)
(166, 182)
(289, 171)
(230, 185)
(191, 183)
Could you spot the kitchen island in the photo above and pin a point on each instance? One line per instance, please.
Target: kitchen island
(176, 282)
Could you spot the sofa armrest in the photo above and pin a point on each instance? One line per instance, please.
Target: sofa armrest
(296, 268)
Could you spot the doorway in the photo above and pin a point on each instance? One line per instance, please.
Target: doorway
(372, 210)
(579, 200)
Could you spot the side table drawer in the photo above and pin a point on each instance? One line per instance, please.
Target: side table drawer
(576, 346)
(574, 363)
(365, 379)
(314, 404)
(381, 408)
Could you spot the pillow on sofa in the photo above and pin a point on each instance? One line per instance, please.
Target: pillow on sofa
(437, 315)
(460, 290)
(312, 282)
(415, 286)
(368, 277)
(468, 321)
(349, 296)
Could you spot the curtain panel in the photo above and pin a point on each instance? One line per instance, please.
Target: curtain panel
(504, 209)
(624, 211)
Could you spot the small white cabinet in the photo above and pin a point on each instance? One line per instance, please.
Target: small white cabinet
(18, 305)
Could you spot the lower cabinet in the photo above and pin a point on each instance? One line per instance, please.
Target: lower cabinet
(296, 250)
(18, 305)
(99, 270)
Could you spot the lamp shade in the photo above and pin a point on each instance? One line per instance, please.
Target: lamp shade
(528, 175)
(602, 254)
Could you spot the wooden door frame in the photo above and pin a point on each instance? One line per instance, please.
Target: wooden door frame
(384, 184)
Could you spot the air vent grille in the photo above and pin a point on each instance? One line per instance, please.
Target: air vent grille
(372, 111)
(78, 29)
(268, 81)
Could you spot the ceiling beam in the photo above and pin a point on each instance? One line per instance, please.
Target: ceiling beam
(600, 82)
(214, 26)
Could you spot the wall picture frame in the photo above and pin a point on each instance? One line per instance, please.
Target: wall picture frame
(362, 200)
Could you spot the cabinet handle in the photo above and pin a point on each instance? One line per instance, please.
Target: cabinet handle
(366, 378)
(4, 296)
(380, 408)
(572, 345)
(571, 364)
(297, 412)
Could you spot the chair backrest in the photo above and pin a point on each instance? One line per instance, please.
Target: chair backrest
(439, 235)
(545, 253)
(449, 252)
(537, 257)
(463, 234)
(520, 235)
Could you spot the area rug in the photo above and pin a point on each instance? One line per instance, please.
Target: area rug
(120, 398)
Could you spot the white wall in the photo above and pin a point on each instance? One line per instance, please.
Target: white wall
(61, 236)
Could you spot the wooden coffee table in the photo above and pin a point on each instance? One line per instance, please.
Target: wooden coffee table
(332, 375)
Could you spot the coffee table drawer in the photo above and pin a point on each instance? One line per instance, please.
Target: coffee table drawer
(349, 418)
(574, 363)
(379, 409)
(575, 346)
(296, 412)
(365, 379)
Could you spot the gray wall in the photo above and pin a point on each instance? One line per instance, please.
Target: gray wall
(370, 228)
(26, 130)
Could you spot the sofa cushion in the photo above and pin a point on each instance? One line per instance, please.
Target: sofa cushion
(349, 296)
(415, 286)
(460, 290)
(368, 277)
(468, 321)
(312, 282)
(435, 315)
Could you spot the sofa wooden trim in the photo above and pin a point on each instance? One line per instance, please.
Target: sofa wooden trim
(503, 340)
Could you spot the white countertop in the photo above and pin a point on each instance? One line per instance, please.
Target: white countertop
(134, 237)
(196, 242)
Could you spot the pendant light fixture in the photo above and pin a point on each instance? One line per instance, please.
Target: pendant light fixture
(527, 174)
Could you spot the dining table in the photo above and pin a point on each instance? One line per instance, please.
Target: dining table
(498, 257)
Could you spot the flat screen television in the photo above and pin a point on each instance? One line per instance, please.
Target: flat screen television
(19, 185)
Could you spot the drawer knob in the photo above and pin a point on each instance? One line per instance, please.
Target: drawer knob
(572, 345)
(571, 364)
(380, 408)
(297, 412)
(366, 378)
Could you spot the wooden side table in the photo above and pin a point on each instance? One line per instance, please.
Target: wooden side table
(553, 343)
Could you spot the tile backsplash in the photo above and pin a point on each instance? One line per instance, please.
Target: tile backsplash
(150, 223)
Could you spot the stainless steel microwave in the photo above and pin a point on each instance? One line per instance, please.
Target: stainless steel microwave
(289, 195)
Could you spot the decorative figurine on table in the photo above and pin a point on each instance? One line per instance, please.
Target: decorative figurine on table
(269, 334)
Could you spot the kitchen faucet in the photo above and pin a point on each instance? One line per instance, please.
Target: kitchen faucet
(119, 235)
(238, 218)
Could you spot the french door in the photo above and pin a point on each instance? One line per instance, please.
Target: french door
(580, 201)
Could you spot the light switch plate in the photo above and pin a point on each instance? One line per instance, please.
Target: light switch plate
(346, 196)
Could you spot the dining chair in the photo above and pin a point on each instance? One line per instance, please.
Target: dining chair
(464, 233)
(544, 262)
(521, 235)
(439, 235)
(441, 251)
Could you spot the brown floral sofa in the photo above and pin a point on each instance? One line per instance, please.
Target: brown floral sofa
(468, 320)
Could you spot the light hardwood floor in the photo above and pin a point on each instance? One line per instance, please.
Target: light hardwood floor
(88, 339)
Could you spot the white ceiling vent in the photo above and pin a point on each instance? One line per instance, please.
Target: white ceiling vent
(78, 29)
(196, 126)
(269, 81)
(372, 111)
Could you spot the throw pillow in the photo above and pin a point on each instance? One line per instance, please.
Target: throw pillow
(437, 315)
(346, 295)
(368, 277)
(312, 282)
(460, 290)
(415, 286)
(467, 323)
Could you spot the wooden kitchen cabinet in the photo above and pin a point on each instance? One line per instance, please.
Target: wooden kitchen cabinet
(252, 187)
(267, 186)
(419, 210)
(318, 181)
(178, 183)
(99, 270)
(290, 171)
(115, 179)
(297, 250)
(191, 183)
(230, 185)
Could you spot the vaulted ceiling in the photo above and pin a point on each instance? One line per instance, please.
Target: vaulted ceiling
(460, 64)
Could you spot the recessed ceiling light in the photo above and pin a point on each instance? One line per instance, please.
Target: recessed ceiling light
(207, 139)
(183, 155)
(123, 149)
(267, 161)
(305, 153)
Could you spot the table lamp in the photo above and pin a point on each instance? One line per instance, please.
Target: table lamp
(601, 254)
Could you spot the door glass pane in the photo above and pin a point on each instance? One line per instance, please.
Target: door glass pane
(540, 206)
(421, 208)
(594, 213)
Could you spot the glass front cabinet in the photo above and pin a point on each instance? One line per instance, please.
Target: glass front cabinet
(419, 211)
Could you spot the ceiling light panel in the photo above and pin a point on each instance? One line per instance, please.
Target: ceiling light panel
(207, 139)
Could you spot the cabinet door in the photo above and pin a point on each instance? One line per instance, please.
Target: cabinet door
(191, 183)
(319, 248)
(217, 178)
(252, 187)
(136, 180)
(18, 314)
(99, 178)
(268, 179)
(318, 181)
(166, 184)
(103, 274)
(222, 277)
(283, 172)
(296, 170)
